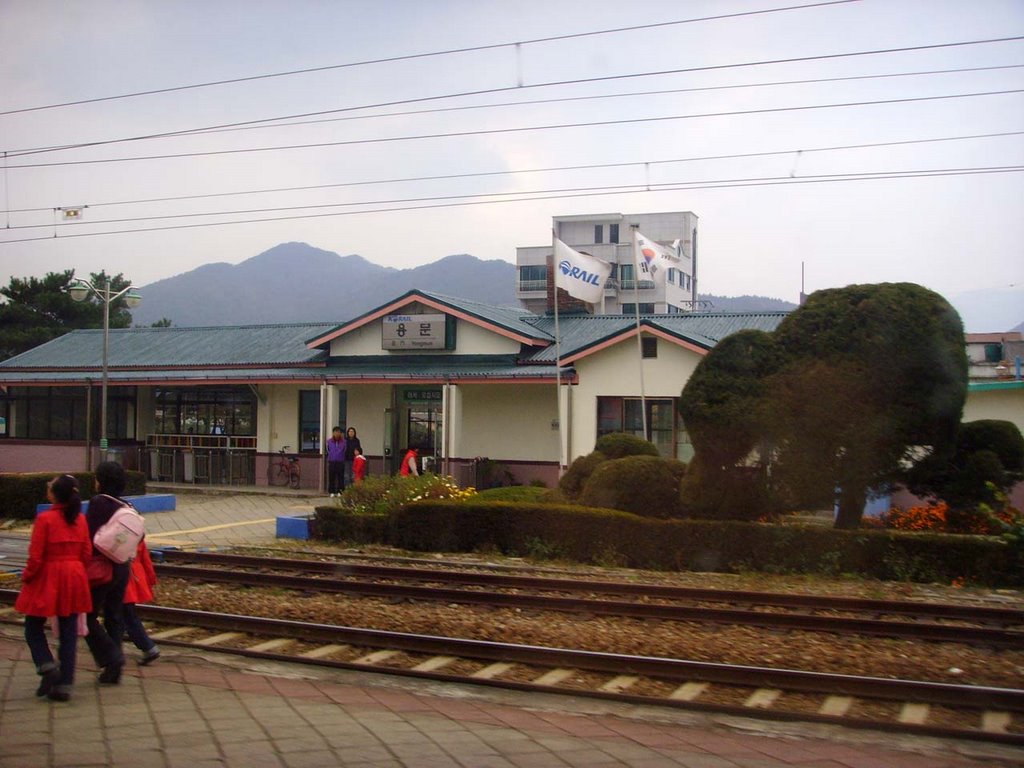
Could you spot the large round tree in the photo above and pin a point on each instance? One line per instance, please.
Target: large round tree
(873, 379)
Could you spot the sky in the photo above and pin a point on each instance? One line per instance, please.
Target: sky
(630, 111)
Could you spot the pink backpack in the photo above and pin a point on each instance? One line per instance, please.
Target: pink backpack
(119, 537)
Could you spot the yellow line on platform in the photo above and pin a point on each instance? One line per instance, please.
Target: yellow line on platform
(165, 534)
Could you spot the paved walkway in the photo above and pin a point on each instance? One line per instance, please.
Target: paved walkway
(199, 710)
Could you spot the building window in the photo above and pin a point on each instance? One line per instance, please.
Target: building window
(649, 346)
(229, 410)
(625, 414)
(613, 233)
(533, 277)
(309, 420)
(671, 275)
(598, 233)
(645, 308)
(60, 413)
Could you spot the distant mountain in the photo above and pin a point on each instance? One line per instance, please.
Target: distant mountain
(746, 303)
(295, 282)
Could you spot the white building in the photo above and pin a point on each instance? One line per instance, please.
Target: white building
(609, 237)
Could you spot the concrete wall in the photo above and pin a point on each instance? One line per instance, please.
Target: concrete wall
(24, 456)
(1003, 404)
(506, 422)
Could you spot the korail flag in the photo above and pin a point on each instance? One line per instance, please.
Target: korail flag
(652, 259)
(583, 276)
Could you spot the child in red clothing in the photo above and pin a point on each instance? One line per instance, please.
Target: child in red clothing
(140, 590)
(54, 583)
(359, 467)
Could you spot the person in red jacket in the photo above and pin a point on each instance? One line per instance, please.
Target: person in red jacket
(54, 583)
(140, 590)
(409, 463)
(359, 467)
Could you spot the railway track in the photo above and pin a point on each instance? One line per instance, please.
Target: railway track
(978, 713)
(992, 627)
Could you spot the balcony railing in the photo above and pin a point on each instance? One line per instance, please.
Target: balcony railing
(629, 285)
(526, 286)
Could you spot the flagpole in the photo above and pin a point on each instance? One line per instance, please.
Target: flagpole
(558, 353)
(639, 341)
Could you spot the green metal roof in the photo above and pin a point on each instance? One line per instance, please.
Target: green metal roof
(986, 386)
(149, 347)
(582, 332)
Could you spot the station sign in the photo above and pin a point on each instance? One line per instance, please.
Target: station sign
(415, 332)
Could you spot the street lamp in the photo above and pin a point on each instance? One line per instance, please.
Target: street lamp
(79, 291)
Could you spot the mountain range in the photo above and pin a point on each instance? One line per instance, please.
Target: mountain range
(295, 282)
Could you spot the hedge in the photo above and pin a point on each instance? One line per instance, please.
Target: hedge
(608, 537)
(21, 492)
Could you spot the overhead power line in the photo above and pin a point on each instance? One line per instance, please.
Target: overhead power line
(491, 91)
(520, 171)
(415, 56)
(521, 103)
(583, 192)
(523, 129)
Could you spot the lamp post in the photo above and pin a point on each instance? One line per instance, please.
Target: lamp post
(80, 290)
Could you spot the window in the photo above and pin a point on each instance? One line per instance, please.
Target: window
(613, 233)
(671, 275)
(309, 420)
(649, 346)
(533, 277)
(198, 410)
(59, 413)
(623, 414)
(598, 233)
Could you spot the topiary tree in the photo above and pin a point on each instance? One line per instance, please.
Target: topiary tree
(575, 477)
(616, 445)
(872, 378)
(643, 485)
(988, 460)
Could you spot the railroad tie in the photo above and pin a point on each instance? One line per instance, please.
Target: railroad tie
(434, 663)
(376, 657)
(688, 691)
(995, 722)
(554, 677)
(914, 713)
(323, 651)
(271, 645)
(492, 670)
(836, 706)
(223, 637)
(619, 684)
(762, 698)
(167, 634)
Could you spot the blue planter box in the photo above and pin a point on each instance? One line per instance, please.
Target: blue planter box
(156, 502)
(293, 527)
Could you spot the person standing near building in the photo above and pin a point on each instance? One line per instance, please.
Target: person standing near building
(352, 448)
(409, 463)
(54, 583)
(104, 640)
(336, 450)
(359, 467)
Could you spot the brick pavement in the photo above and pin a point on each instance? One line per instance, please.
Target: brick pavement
(209, 710)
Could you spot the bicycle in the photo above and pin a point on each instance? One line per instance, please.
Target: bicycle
(285, 470)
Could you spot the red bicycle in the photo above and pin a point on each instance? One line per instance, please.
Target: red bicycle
(285, 470)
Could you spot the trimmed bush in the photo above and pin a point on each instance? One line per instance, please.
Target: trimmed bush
(528, 493)
(730, 493)
(605, 537)
(21, 492)
(572, 482)
(644, 485)
(618, 445)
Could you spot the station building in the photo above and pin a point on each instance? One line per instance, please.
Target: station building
(459, 380)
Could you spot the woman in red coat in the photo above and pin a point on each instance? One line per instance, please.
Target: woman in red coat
(140, 590)
(54, 584)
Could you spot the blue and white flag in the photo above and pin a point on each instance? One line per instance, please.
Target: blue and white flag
(583, 276)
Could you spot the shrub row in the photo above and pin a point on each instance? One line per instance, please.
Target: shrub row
(21, 492)
(608, 537)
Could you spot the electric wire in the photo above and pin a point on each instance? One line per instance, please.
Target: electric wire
(415, 56)
(523, 171)
(527, 102)
(521, 129)
(583, 193)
